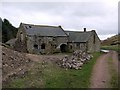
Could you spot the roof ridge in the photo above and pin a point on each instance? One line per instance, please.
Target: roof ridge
(41, 25)
(78, 31)
(47, 26)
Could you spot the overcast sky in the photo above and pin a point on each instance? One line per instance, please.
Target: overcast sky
(75, 15)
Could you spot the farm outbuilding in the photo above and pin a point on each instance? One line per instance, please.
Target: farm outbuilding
(42, 39)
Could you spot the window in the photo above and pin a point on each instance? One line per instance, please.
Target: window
(21, 36)
(43, 46)
(53, 38)
(36, 46)
(70, 46)
(39, 40)
(30, 26)
(77, 44)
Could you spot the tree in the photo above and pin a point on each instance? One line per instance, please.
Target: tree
(8, 31)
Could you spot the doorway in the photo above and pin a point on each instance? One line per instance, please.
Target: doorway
(63, 48)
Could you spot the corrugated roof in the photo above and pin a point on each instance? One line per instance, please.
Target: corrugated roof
(44, 30)
(79, 36)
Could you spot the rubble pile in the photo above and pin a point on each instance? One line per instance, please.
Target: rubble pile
(12, 62)
(75, 61)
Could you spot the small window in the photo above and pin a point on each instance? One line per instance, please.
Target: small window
(70, 46)
(77, 44)
(53, 38)
(39, 40)
(43, 46)
(30, 26)
(36, 46)
(21, 36)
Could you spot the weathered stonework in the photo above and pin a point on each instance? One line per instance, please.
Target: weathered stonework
(49, 39)
(90, 42)
(93, 43)
(45, 45)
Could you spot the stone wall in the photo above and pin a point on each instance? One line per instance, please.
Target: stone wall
(35, 44)
(97, 43)
(93, 44)
(60, 40)
(77, 46)
(90, 45)
(20, 44)
(46, 45)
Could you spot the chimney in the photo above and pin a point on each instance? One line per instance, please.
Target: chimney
(84, 29)
(60, 26)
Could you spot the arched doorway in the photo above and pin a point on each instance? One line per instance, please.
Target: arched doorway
(63, 48)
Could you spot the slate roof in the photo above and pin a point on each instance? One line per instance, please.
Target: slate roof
(41, 30)
(75, 36)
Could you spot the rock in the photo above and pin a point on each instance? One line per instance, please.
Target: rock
(75, 61)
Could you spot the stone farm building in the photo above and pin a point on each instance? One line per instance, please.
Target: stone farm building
(42, 39)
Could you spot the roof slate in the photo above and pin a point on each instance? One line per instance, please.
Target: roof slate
(79, 36)
(40, 30)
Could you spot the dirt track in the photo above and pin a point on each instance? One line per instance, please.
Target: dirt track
(39, 58)
(101, 75)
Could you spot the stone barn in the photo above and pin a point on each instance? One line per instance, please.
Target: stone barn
(41, 39)
(85, 41)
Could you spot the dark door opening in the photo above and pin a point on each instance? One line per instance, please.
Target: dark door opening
(63, 48)
(43, 46)
(36, 46)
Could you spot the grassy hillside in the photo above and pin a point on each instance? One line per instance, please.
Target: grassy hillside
(111, 41)
(111, 47)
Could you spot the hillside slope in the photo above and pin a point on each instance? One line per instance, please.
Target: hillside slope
(114, 40)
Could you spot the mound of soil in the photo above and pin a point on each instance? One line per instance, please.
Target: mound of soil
(13, 63)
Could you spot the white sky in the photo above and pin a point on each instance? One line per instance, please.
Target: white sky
(101, 15)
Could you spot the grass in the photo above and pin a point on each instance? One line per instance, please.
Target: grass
(51, 75)
(114, 75)
(111, 47)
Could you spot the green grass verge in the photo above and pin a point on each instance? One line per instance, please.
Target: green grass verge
(112, 47)
(114, 75)
(53, 76)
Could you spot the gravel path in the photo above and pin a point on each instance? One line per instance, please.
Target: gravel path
(101, 75)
